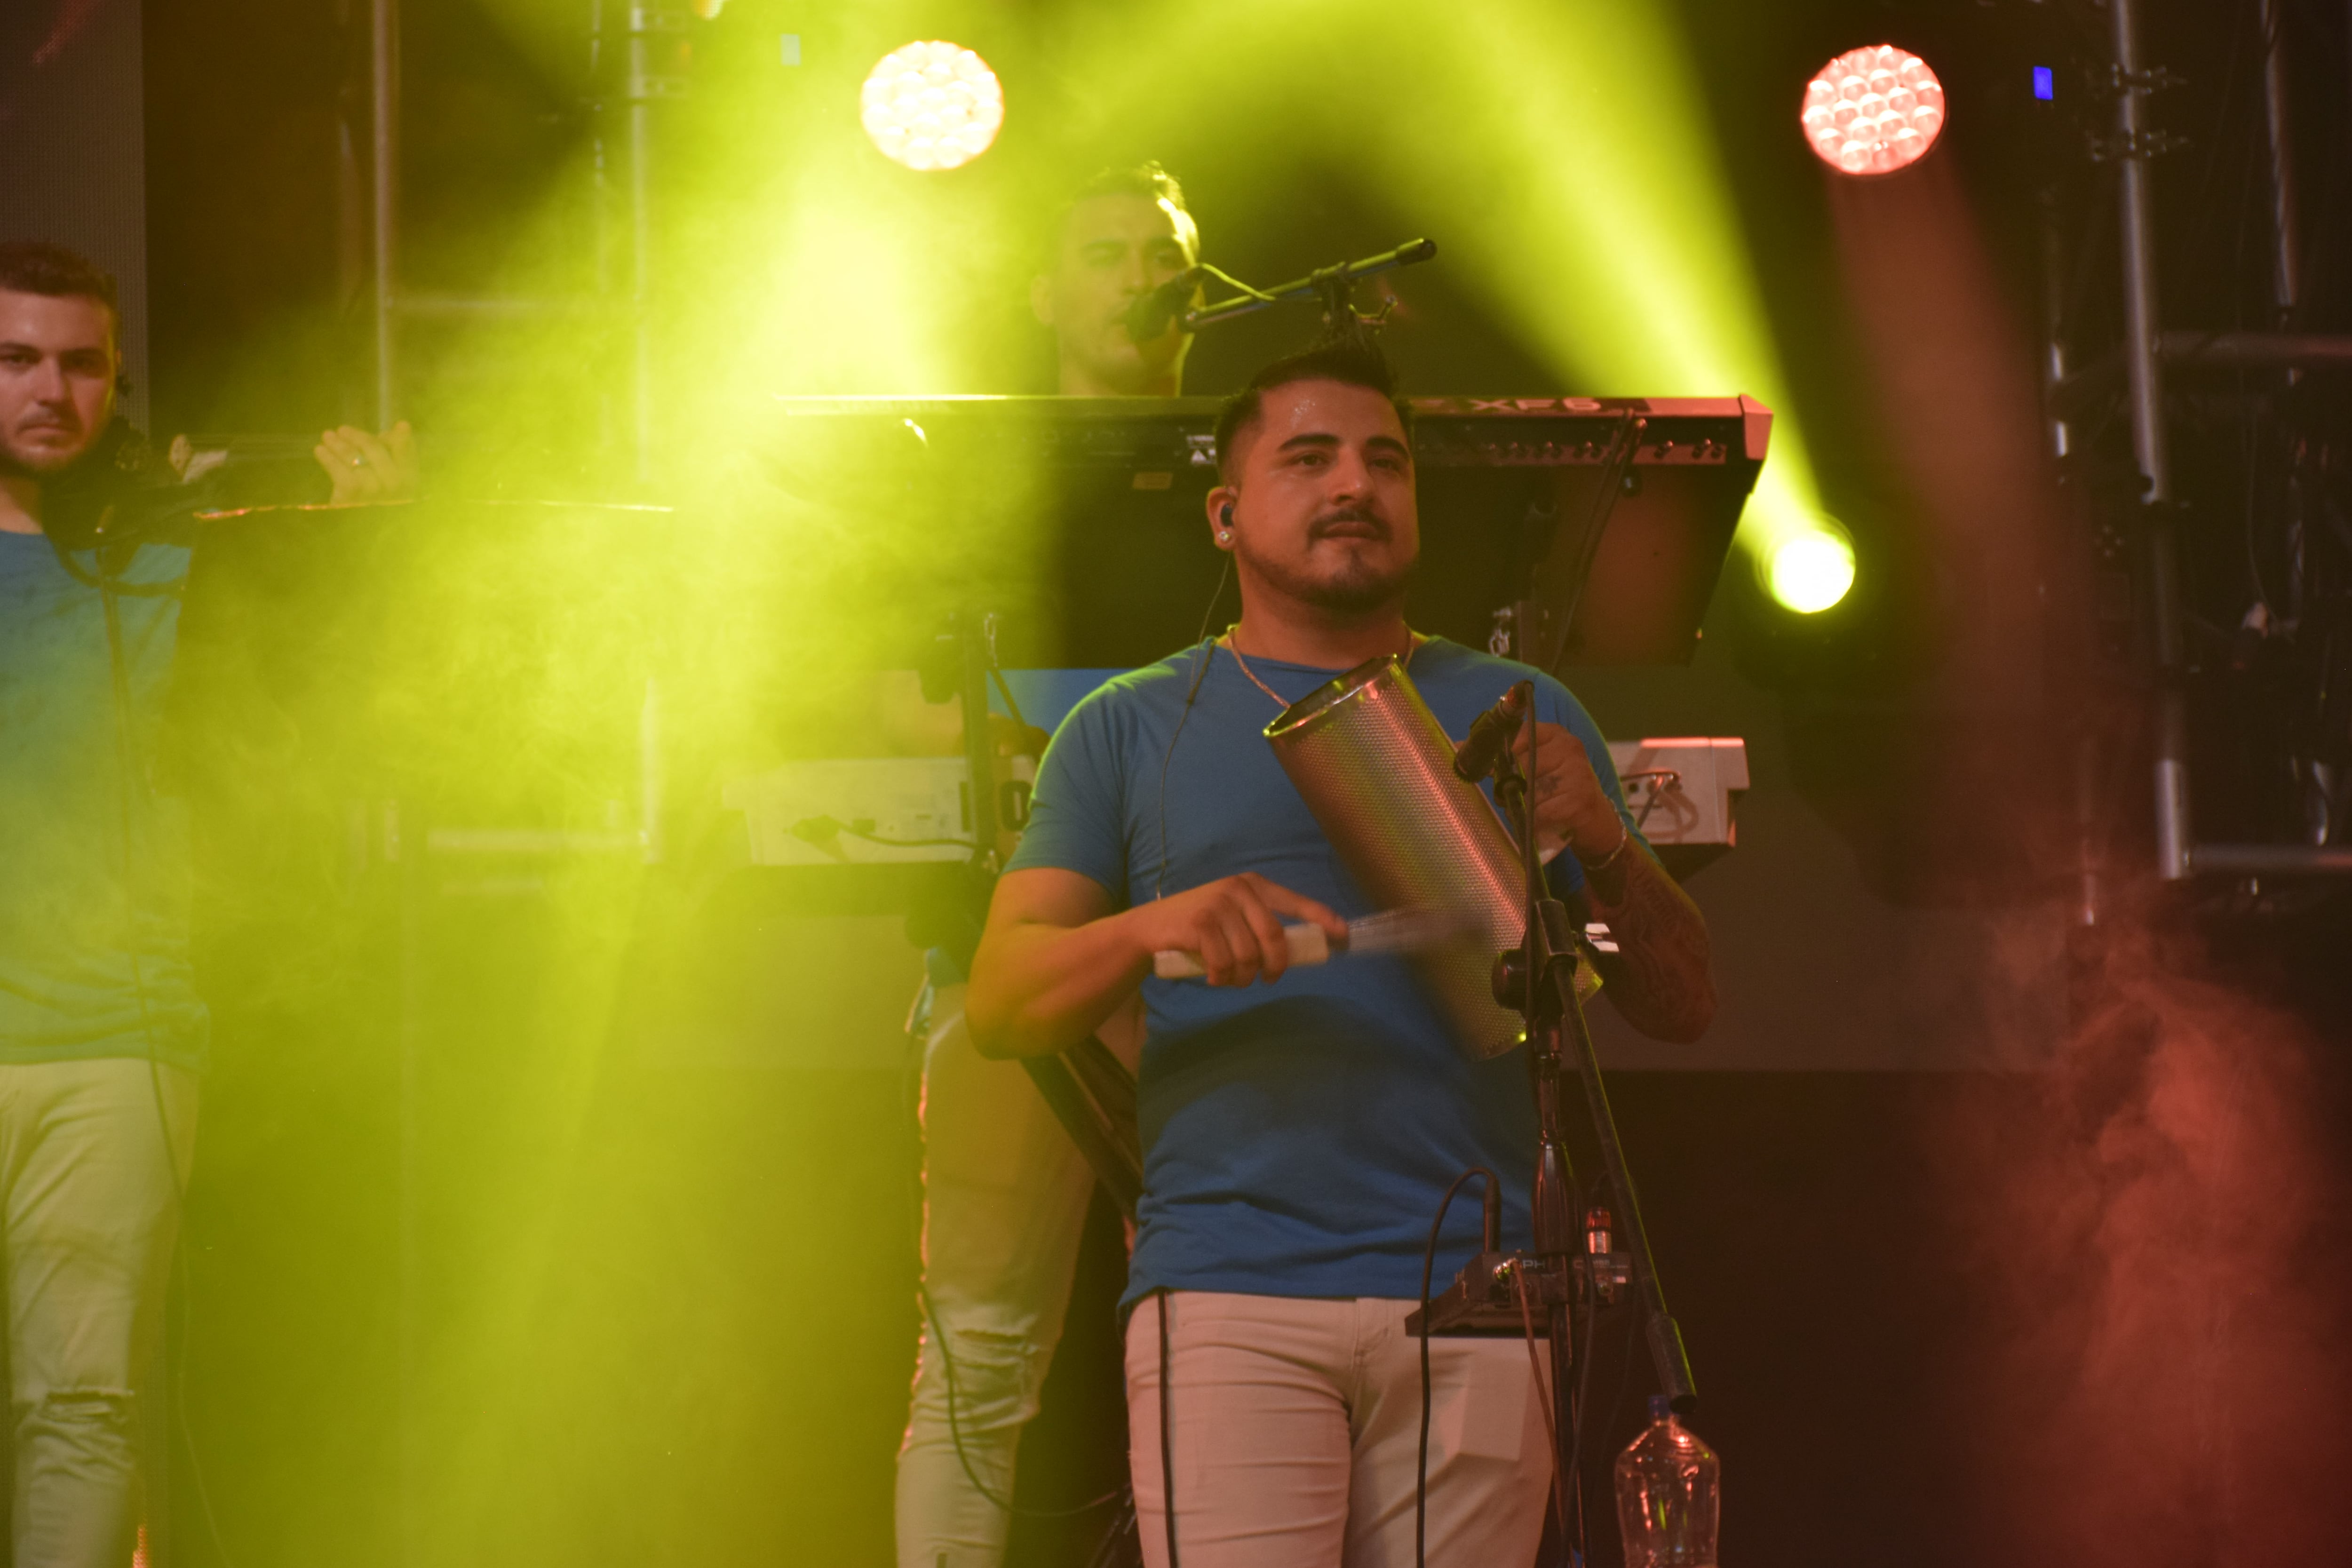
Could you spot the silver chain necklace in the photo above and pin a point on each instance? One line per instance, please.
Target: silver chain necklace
(1412, 647)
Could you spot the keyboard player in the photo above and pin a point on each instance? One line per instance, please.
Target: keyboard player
(1005, 1190)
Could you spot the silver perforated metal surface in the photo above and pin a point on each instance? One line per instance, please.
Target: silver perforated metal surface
(1377, 770)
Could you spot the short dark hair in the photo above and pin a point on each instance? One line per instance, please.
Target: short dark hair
(37, 267)
(1147, 180)
(1353, 359)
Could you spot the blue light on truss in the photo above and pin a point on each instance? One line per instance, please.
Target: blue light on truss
(2044, 87)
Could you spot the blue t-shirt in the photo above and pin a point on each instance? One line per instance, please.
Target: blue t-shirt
(1297, 1136)
(94, 867)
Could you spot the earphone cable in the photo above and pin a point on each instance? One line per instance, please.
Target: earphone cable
(1206, 652)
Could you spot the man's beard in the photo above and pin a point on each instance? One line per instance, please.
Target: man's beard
(16, 463)
(76, 490)
(1116, 360)
(1358, 588)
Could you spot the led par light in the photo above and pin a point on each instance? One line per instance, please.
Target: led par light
(1872, 110)
(932, 105)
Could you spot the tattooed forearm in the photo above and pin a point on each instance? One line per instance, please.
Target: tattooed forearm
(1658, 978)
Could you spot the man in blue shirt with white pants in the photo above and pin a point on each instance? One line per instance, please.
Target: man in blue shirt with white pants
(1301, 1126)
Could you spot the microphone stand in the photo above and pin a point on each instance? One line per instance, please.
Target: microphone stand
(1553, 1202)
(1334, 284)
(1494, 1290)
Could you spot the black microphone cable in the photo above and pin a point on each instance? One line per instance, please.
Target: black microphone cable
(1151, 312)
(909, 1102)
(1167, 1432)
(1207, 656)
(1580, 1404)
(1546, 1398)
(1428, 1267)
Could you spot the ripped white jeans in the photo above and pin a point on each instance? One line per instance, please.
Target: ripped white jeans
(87, 1199)
(1006, 1196)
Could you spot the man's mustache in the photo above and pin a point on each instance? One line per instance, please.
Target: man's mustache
(1322, 526)
(50, 414)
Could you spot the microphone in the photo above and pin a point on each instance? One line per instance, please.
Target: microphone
(1489, 738)
(1148, 315)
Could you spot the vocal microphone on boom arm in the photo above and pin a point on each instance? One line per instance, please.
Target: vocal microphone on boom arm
(1148, 314)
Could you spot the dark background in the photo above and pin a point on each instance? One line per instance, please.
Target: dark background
(1862, 1252)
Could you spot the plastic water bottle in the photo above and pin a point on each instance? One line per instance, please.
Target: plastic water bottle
(1668, 1495)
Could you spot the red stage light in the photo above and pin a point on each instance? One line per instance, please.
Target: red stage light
(1872, 110)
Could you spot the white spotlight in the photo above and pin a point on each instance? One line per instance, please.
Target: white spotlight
(1810, 570)
(932, 105)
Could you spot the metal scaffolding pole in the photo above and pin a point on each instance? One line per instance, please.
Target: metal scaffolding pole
(383, 189)
(655, 33)
(384, 236)
(2055, 369)
(641, 240)
(2286, 228)
(2135, 148)
(2089, 907)
(2294, 354)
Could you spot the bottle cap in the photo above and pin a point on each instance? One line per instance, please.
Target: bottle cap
(1660, 1407)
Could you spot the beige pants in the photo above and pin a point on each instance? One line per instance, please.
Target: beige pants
(87, 1197)
(1006, 1195)
(1295, 1428)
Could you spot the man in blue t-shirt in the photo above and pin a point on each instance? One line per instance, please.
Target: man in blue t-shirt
(1302, 1125)
(101, 1036)
(101, 1032)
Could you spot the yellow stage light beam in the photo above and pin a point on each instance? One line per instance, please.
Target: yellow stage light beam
(1563, 156)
